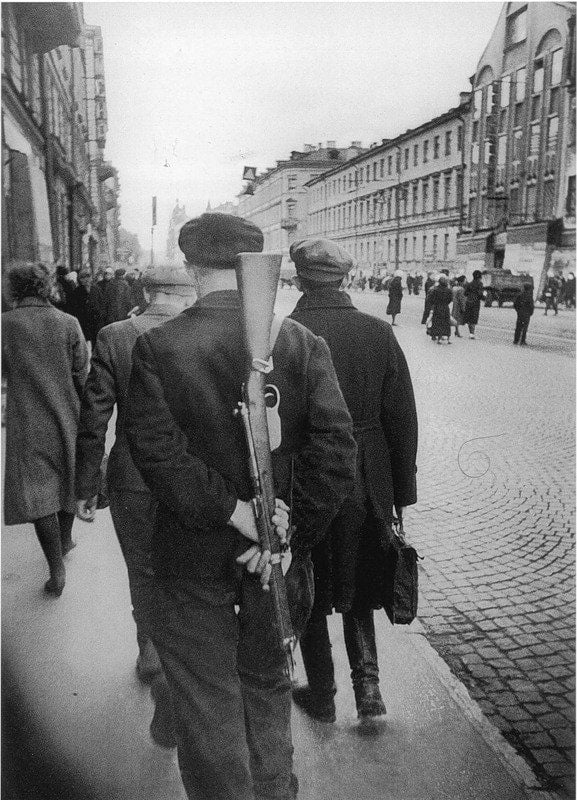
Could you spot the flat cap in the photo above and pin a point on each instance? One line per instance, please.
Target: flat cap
(320, 260)
(167, 276)
(214, 240)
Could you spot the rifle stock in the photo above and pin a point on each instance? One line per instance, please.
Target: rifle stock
(257, 278)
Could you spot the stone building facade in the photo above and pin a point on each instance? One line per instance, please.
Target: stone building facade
(276, 201)
(520, 145)
(397, 205)
(54, 128)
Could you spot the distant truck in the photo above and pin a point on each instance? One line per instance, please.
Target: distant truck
(502, 286)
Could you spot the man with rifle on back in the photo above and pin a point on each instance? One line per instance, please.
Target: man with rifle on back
(225, 666)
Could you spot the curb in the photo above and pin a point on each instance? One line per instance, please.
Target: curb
(506, 754)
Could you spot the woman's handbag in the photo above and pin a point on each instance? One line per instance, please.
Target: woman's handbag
(402, 577)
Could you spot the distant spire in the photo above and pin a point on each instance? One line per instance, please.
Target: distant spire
(208, 207)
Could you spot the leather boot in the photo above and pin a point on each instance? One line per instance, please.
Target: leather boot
(361, 648)
(317, 699)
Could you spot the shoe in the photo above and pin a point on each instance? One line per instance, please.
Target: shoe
(148, 664)
(162, 725)
(369, 701)
(68, 546)
(318, 708)
(55, 586)
(458, 335)
(471, 336)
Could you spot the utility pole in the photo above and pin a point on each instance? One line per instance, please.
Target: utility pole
(152, 232)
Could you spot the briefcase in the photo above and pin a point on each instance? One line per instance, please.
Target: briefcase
(401, 587)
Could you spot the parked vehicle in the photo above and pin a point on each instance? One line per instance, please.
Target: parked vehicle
(502, 286)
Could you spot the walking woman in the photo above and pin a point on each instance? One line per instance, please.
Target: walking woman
(459, 304)
(474, 291)
(45, 360)
(439, 299)
(395, 295)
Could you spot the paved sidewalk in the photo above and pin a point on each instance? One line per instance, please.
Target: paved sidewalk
(71, 661)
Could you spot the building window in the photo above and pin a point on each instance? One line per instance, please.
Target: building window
(292, 181)
(517, 145)
(425, 244)
(382, 167)
(375, 167)
(516, 30)
(446, 248)
(475, 153)
(475, 132)
(406, 158)
(538, 77)
(415, 155)
(368, 172)
(425, 196)
(570, 199)
(425, 151)
(503, 120)
(447, 191)
(448, 136)
(554, 98)
(436, 147)
(531, 201)
(552, 131)
(514, 201)
(520, 83)
(518, 118)
(556, 67)
(414, 248)
(459, 138)
(436, 194)
(536, 107)
(415, 198)
(390, 165)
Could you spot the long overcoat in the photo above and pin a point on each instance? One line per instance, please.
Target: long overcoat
(473, 295)
(376, 384)
(439, 299)
(46, 361)
(395, 296)
(459, 304)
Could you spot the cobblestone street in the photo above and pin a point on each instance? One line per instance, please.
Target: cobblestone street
(495, 520)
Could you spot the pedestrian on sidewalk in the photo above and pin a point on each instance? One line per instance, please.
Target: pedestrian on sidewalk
(551, 294)
(117, 299)
(395, 295)
(474, 292)
(45, 358)
(439, 300)
(458, 312)
(227, 676)
(349, 562)
(570, 291)
(524, 306)
(85, 303)
(131, 504)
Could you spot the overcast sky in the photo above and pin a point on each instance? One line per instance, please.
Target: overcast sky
(206, 88)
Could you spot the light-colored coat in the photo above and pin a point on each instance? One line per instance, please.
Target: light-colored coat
(45, 359)
(459, 302)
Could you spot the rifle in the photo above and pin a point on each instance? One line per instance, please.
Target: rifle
(257, 276)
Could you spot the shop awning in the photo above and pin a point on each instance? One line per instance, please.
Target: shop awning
(49, 25)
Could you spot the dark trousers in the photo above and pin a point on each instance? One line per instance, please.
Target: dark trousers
(521, 328)
(231, 693)
(133, 518)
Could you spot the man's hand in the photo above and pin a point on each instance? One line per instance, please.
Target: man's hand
(256, 560)
(86, 509)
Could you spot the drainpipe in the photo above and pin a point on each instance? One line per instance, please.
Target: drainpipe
(48, 158)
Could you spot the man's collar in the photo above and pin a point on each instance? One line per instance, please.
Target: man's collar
(226, 298)
(33, 301)
(324, 298)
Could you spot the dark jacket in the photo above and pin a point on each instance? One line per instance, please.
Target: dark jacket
(190, 449)
(106, 387)
(395, 296)
(474, 291)
(117, 300)
(438, 301)
(87, 307)
(375, 381)
(523, 304)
